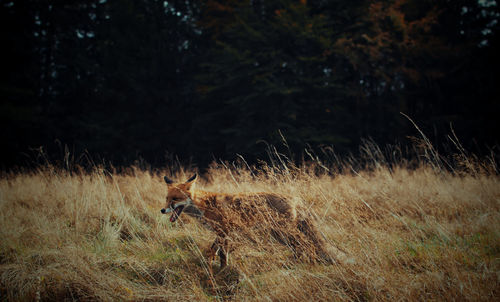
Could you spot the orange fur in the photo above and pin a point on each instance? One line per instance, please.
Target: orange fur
(253, 215)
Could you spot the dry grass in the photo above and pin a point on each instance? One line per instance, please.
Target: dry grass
(396, 233)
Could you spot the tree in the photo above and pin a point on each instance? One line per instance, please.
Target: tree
(267, 70)
(419, 57)
(19, 110)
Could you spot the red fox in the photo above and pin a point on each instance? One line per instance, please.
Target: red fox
(256, 216)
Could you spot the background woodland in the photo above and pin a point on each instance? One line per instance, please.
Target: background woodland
(203, 79)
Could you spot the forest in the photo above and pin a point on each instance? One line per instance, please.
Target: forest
(203, 80)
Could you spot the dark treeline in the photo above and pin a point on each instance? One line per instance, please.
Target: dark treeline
(206, 79)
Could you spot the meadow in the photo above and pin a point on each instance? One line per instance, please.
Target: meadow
(410, 230)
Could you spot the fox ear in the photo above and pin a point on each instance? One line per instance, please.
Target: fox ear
(190, 182)
(168, 180)
(191, 178)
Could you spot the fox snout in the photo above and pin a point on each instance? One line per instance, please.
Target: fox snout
(165, 211)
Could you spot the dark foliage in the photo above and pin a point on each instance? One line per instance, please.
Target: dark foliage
(206, 79)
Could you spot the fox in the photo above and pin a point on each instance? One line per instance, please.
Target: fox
(256, 216)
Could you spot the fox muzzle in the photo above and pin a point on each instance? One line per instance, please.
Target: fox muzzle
(186, 202)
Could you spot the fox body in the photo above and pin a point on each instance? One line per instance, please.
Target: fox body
(252, 216)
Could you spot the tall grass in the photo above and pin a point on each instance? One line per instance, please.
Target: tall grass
(397, 231)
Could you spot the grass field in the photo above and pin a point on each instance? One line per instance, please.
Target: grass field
(396, 233)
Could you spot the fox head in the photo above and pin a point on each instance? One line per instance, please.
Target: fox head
(179, 198)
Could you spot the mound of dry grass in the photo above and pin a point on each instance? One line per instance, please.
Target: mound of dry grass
(396, 234)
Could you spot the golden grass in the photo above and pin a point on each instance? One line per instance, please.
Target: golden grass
(396, 234)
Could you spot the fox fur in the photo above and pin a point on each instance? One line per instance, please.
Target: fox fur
(254, 216)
